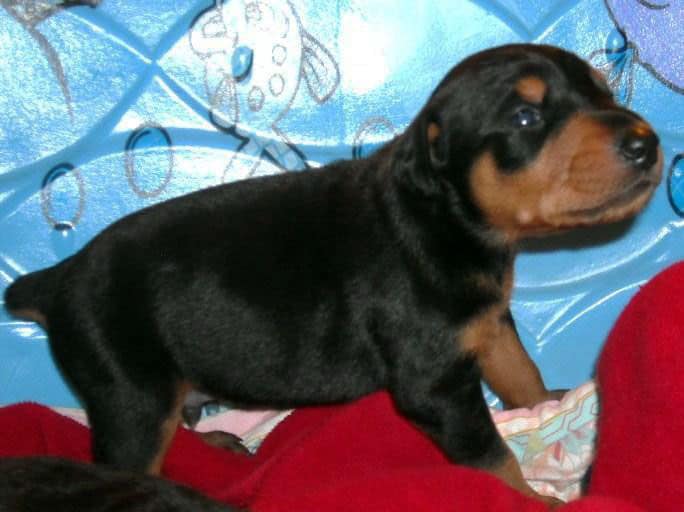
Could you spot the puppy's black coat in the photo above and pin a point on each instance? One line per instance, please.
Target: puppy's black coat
(393, 272)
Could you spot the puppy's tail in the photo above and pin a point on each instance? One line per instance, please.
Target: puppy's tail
(29, 296)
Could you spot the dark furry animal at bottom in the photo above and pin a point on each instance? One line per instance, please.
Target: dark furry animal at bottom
(392, 272)
(40, 484)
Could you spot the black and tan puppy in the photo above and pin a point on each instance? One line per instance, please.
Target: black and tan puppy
(393, 272)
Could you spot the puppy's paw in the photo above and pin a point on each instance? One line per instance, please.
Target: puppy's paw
(224, 440)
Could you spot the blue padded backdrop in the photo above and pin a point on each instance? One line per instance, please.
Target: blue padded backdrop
(110, 105)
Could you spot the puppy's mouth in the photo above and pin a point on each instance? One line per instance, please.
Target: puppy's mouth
(632, 194)
(628, 201)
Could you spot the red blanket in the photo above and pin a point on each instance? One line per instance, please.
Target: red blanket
(364, 456)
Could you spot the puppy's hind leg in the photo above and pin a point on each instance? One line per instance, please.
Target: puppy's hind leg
(130, 389)
(133, 428)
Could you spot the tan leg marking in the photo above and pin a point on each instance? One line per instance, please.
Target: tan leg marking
(168, 429)
(505, 364)
(32, 315)
(508, 369)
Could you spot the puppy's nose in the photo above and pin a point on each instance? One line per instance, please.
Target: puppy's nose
(639, 146)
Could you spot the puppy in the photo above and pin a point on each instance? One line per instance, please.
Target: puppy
(393, 272)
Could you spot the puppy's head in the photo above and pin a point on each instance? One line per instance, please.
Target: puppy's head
(528, 140)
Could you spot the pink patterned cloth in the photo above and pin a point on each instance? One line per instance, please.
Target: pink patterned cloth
(554, 442)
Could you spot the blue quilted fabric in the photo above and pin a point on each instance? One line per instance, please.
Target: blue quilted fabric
(111, 105)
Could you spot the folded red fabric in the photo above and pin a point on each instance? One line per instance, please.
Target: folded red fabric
(361, 456)
(365, 456)
(640, 453)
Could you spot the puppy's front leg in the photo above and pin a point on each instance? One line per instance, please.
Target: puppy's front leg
(445, 400)
(507, 367)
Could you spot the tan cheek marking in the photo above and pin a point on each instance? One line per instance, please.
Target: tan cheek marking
(531, 89)
(575, 168)
(168, 429)
(509, 202)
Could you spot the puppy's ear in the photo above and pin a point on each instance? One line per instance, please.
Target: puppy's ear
(421, 156)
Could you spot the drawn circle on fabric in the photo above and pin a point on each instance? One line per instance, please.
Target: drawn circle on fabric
(256, 99)
(147, 136)
(276, 84)
(54, 176)
(675, 184)
(379, 126)
(279, 54)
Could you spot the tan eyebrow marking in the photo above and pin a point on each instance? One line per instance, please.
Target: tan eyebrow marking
(531, 89)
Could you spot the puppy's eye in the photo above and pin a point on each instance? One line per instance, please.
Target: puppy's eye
(526, 116)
